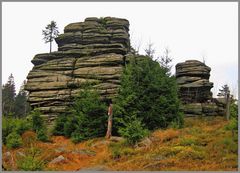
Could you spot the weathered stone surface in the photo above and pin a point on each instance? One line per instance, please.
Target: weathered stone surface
(93, 51)
(193, 80)
(59, 159)
(194, 89)
(193, 108)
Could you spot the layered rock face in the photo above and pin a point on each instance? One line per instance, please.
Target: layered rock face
(93, 51)
(193, 80)
(194, 88)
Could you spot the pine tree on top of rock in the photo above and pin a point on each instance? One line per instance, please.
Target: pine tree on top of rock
(50, 33)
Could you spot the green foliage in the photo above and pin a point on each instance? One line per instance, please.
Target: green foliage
(148, 92)
(230, 145)
(233, 124)
(133, 130)
(119, 149)
(37, 121)
(31, 161)
(41, 135)
(50, 33)
(8, 96)
(87, 117)
(21, 106)
(13, 140)
(77, 137)
(115, 150)
(59, 125)
(234, 111)
(188, 141)
(14, 124)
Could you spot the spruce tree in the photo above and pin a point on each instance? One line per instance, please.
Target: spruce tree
(50, 33)
(21, 106)
(149, 93)
(8, 96)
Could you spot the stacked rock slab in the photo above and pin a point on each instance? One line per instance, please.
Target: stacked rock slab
(92, 51)
(194, 88)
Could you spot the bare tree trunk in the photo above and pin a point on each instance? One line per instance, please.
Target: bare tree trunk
(50, 46)
(109, 129)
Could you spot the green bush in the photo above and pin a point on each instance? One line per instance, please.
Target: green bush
(133, 131)
(70, 125)
(87, 117)
(37, 120)
(13, 140)
(59, 125)
(77, 137)
(31, 161)
(230, 145)
(41, 135)
(234, 111)
(232, 125)
(14, 124)
(120, 149)
(22, 125)
(115, 150)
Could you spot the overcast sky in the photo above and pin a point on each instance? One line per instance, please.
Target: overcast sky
(190, 30)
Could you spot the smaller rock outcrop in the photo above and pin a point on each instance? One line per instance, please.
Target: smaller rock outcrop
(194, 89)
(193, 80)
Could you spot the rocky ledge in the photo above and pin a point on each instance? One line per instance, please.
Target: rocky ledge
(92, 51)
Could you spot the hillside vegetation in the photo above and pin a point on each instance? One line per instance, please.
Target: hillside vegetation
(203, 144)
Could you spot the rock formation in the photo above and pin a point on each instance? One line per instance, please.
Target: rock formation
(92, 51)
(194, 89)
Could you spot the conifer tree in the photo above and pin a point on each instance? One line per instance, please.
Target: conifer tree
(8, 96)
(50, 33)
(165, 61)
(225, 92)
(21, 106)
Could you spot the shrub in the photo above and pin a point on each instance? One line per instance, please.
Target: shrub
(232, 125)
(115, 150)
(59, 125)
(119, 149)
(230, 145)
(87, 117)
(41, 135)
(13, 140)
(32, 161)
(37, 121)
(22, 125)
(11, 124)
(133, 131)
(7, 128)
(234, 111)
(77, 137)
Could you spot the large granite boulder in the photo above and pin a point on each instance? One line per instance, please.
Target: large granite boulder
(92, 51)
